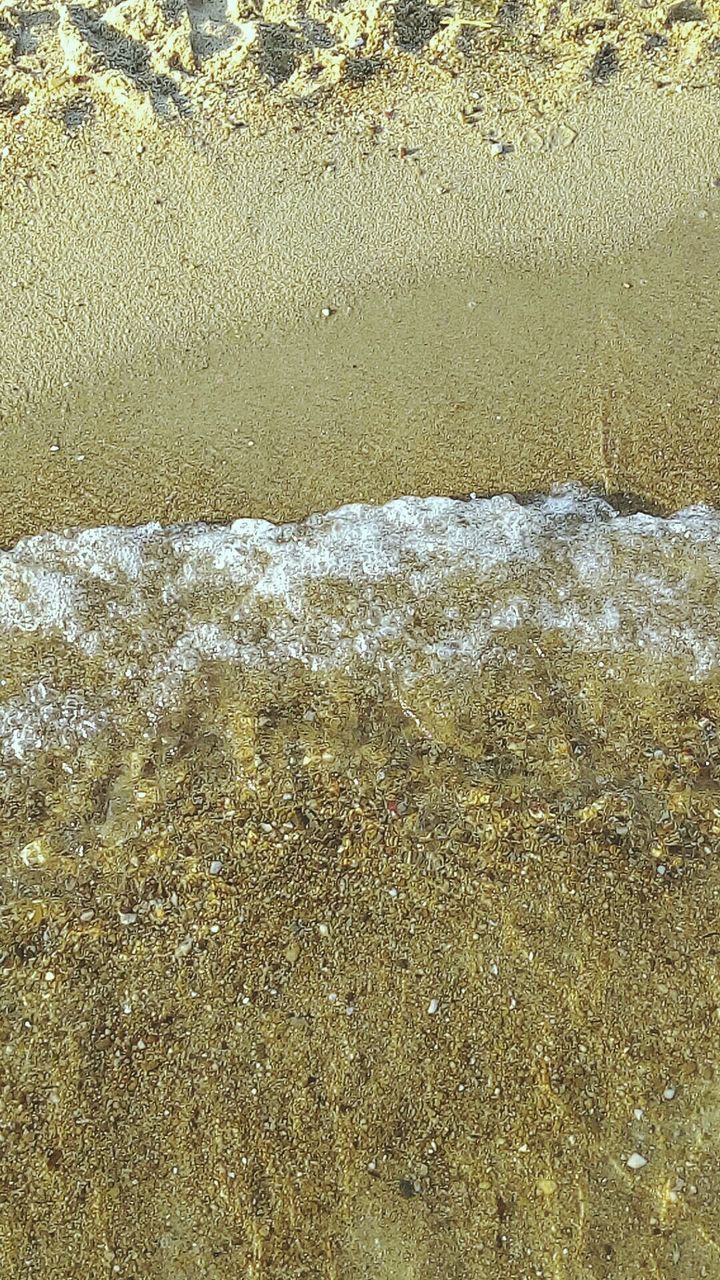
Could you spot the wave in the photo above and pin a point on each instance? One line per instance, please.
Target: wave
(95, 621)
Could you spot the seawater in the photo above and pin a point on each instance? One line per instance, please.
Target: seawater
(359, 894)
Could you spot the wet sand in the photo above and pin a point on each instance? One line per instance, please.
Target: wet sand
(496, 322)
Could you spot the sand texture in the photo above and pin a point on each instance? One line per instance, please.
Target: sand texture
(359, 877)
(496, 320)
(359, 891)
(140, 59)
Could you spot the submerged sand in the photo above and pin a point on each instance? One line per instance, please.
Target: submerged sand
(359, 897)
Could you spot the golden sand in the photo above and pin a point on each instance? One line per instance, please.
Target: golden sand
(334, 991)
(496, 321)
(347, 994)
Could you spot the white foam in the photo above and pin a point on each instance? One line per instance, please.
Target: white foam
(413, 586)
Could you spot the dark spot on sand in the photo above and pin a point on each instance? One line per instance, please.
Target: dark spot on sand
(416, 22)
(11, 106)
(605, 65)
(685, 11)
(317, 33)
(359, 70)
(281, 49)
(509, 13)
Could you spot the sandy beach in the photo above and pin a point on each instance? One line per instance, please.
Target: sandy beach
(496, 320)
(359, 875)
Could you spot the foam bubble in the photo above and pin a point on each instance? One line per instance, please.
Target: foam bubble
(414, 586)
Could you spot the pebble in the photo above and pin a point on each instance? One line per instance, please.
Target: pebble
(433, 1006)
(636, 1161)
(128, 917)
(547, 1186)
(215, 867)
(36, 853)
(669, 1093)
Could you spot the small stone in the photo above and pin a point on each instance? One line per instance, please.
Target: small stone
(636, 1161)
(669, 1093)
(128, 917)
(323, 930)
(433, 1006)
(215, 867)
(685, 11)
(183, 948)
(36, 853)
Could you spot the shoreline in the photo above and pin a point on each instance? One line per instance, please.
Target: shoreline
(357, 886)
(360, 881)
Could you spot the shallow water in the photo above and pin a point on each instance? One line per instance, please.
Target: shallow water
(359, 895)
